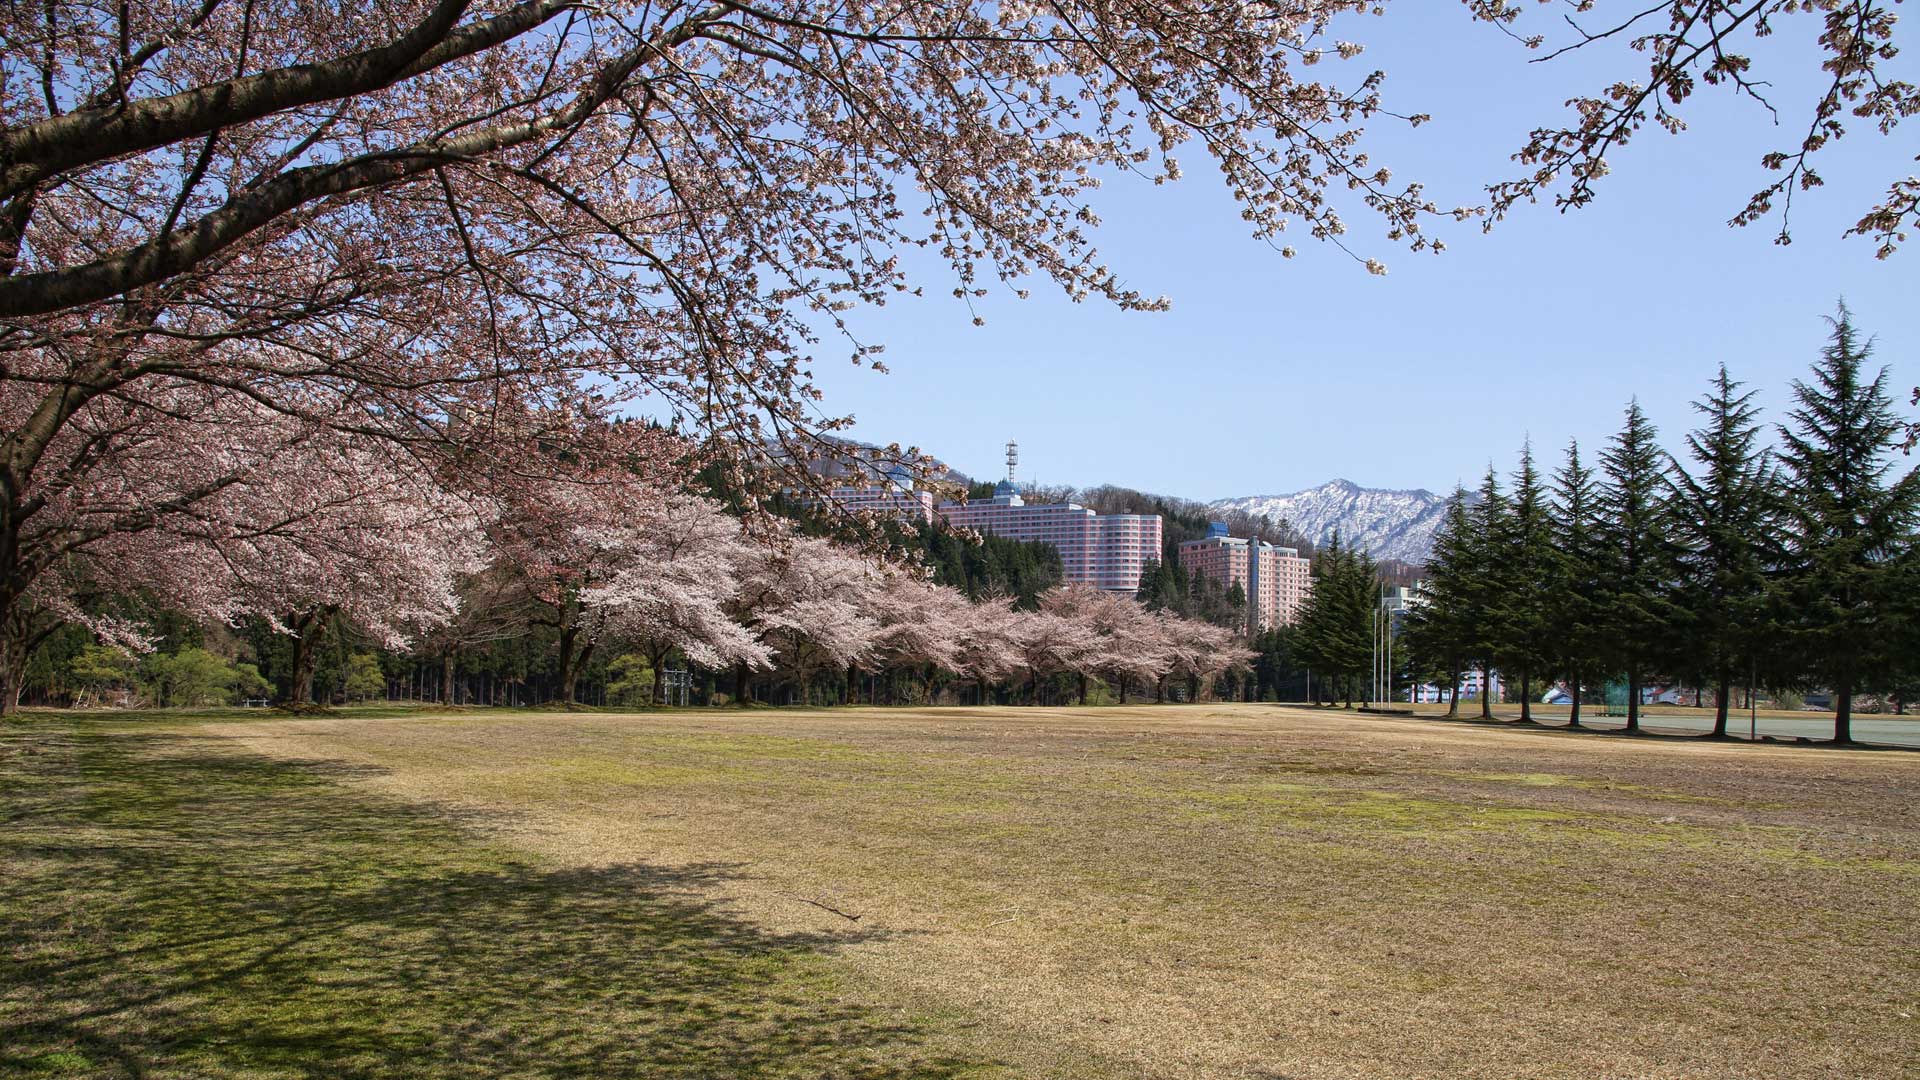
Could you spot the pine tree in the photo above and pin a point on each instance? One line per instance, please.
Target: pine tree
(1575, 575)
(1637, 568)
(1726, 525)
(1522, 611)
(1849, 527)
(1438, 632)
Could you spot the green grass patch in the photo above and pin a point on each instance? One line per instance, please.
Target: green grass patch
(172, 909)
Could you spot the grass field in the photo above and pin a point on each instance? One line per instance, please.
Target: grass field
(1234, 891)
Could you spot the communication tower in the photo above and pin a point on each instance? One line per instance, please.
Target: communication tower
(1013, 458)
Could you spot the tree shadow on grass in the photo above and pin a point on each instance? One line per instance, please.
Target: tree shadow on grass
(169, 911)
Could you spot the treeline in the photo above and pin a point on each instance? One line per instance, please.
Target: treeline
(1781, 567)
(595, 594)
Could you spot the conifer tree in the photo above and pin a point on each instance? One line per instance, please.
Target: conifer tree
(1575, 575)
(1848, 525)
(1439, 631)
(1523, 610)
(1488, 582)
(1637, 569)
(1336, 631)
(1726, 525)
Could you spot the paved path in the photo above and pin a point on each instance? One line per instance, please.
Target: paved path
(1866, 729)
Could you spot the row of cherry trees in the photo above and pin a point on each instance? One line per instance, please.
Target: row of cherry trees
(684, 578)
(328, 534)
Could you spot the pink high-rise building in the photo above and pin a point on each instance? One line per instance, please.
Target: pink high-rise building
(1276, 580)
(1106, 551)
(885, 500)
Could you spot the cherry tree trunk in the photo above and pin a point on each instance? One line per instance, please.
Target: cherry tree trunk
(1123, 689)
(1083, 688)
(13, 668)
(1160, 691)
(853, 685)
(22, 629)
(308, 629)
(742, 689)
(446, 677)
(571, 674)
(569, 671)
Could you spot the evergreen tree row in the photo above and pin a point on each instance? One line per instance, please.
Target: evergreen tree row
(1785, 564)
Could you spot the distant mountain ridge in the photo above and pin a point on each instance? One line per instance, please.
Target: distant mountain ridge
(1388, 524)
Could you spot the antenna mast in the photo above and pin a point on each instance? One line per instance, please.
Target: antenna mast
(1013, 458)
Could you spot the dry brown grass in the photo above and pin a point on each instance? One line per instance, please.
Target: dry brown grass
(1252, 891)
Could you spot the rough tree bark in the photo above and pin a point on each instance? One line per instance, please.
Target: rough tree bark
(308, 628)
(1722, 701)
(1843, 709)
(13, 669)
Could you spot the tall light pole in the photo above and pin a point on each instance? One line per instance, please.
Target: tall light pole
(1383, 644)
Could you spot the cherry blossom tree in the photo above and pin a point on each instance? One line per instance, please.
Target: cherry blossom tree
(1682, 45)
(1200, 652)
(319, 529)
(1052, 644)
(989, 643)
(680, 577)
(918, 625)
(437, 222)
(808, 600)
(492, 607)
(567, 527)
(1125, 640)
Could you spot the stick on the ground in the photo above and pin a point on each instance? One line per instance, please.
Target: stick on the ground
(826, 907)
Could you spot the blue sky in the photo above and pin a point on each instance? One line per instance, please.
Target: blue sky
(1272, 375)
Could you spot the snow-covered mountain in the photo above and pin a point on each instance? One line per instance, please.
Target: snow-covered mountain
(1388, 524)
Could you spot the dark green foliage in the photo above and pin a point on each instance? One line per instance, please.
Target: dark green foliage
(1487, 584)
(995, 566)
(1849, 524)
(1523, 565)
(1438, 637)
(1192, 596)
(1639, 563)
(1735, 574)
(1279, 673)
(1726, 522)
(1572, 618)
(1335, 635)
